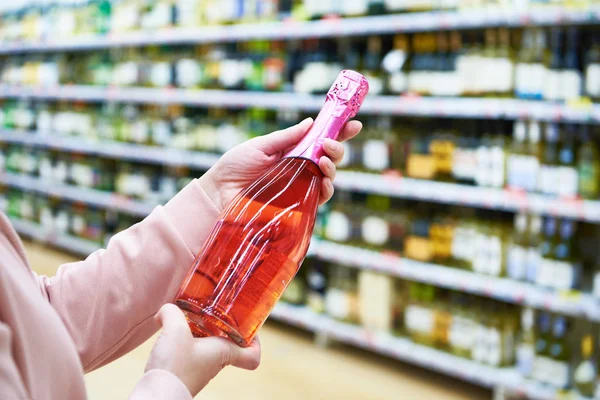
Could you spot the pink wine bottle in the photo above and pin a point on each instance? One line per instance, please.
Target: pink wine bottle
(261, 238)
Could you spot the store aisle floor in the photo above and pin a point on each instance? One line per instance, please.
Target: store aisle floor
(292, 367)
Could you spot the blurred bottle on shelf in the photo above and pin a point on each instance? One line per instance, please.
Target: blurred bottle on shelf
(566, 268)
(516, 258)
(549, 169)
(341, 297)
(395, 63)
(567, 171)
(376, 300)
(317, 281)
(592, 68)
(542, 359)
(297, 290)
(588, 166)
(533, 257)
(544, 270)
(571, 77)
(585, 372)
(558, 363)
(552, 87)
(527, 343)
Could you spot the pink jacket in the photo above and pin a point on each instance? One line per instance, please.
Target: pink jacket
(53, 330)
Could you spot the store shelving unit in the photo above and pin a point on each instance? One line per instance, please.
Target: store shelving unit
(379, 342)
(73, 193)
(394, 186)
(387, 24)
(574, 304)
(110, 149)
(568, 303)
(505, 379)
(457, 107)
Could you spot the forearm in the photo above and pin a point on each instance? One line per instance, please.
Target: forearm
(108, 301)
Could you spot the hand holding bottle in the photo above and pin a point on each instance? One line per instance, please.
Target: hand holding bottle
(243, 164)
(195, 361)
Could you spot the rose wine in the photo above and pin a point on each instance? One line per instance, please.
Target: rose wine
(261, 238)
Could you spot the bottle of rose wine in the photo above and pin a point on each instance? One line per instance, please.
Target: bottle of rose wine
(263, 235)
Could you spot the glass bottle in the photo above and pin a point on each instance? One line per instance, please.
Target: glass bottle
(588, 166)
(517, 249)
(396, 63)
(559, 351)
(552, 88)
(523, 84)
(571, 80)
(592, 69)
(567, 170)
(544, 271)
(548, 176)
(217, 300)
(504, 64)
(527, 341)
(542, 360)
(516, 167)
(584, 376)
(372, 65)
(566, 266)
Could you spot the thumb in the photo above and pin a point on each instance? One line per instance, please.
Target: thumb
(172, 320)
(283, 139)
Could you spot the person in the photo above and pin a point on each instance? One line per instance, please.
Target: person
(53, 330)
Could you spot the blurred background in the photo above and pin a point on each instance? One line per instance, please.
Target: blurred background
(458, 257)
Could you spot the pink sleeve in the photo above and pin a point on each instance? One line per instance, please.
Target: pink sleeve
(11, 384)
(108, 301)
(160, 384)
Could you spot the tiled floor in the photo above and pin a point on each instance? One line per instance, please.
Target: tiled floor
(292, 367)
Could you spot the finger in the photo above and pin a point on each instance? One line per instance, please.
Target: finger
(172, 320)
(247, 357)
(283, 139)
(351, 129)
(328, 167)
(335, 150)
(326, 190)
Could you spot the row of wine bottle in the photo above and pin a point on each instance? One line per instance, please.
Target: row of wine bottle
(47, 20)
(150, 183)
(547, 252)
(60, 217)
(541, 251)
(549, 158)
(553, 64)
(552, 349)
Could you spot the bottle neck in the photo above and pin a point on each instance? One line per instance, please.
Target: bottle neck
(328, 124)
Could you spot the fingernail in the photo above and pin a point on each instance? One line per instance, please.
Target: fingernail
(305, 120)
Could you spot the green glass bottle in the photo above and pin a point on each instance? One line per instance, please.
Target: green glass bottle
(584, 376)
(559, 366)
(588, 166)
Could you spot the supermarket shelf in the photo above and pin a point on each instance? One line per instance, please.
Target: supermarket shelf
(133, 152)
(78, 194)
(457, 107)
(66, 242)
(437, 192)
(387, 24)
(508, 290)
(408, 351)
(379, 342)
(450, 193)
(442, 276)
(395, 347)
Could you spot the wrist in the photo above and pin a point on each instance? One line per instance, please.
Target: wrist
(211, 188)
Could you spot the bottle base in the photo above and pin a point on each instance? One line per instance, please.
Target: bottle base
(205, 323)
